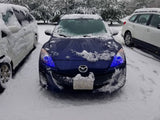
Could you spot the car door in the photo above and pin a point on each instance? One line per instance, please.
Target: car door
(29, 31)
(24, 33)
(3, 39)
(154, 31)
(14, 37)
(141, 28)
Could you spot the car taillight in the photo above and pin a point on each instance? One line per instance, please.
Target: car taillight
(124, 23)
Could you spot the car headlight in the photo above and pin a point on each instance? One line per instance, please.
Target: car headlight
(118, 59)
(46, 58)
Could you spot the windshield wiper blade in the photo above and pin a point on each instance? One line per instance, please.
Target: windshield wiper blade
(86, 35)
(62, 35)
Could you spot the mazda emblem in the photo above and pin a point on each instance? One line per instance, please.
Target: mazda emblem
(83, 68)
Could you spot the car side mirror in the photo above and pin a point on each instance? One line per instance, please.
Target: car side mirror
(55, 23)
(14, 29)
(158, 26)
(48, 32)
(114, 32)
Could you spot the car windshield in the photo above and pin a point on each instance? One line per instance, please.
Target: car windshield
(81, 27)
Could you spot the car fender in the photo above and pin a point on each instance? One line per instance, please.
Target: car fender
(131, 28)
(5, 59)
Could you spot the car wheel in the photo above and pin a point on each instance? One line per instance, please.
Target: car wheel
(128, 39)
(5, 75)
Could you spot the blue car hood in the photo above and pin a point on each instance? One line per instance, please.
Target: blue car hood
(76, 48)
(69, 53)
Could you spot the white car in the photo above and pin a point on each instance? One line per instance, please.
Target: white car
(143, 29)
(18, 36)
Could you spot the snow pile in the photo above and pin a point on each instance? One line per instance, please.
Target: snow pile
(112, 44)
(95, 56)
(81, 16)
(119, 76)
(147, 10)
(4, 7)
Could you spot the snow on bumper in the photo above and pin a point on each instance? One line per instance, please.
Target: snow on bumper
(116, 81)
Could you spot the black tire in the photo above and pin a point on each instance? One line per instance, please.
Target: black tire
(5, 75)
(128, 39)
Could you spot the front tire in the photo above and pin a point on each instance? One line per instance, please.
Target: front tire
(5, 75)
(128, 39)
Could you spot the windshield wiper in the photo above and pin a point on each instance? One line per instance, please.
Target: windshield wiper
(86, 35)
(62, 35)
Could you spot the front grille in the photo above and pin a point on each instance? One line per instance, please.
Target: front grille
(67, 81)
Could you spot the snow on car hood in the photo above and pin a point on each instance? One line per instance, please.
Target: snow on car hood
(84, 49)
(69, 53)
(95, 56)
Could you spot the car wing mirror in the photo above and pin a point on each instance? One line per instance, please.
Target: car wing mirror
(115, 32)
(158, 26)
(14, 29)
(55, 23)
(48, 32)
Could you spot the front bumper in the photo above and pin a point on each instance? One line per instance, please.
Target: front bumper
(106, 82)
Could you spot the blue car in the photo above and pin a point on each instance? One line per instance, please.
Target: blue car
(82, 54)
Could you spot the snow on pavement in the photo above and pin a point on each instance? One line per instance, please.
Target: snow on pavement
(137, 100)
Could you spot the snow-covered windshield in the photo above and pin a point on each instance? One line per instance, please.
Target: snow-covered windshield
(81, 27)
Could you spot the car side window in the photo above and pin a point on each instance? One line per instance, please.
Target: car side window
(6, 16)
(18, 16)
(143, 19)
(9, 19)
(132, 19)
(155, 21)
(21, 17)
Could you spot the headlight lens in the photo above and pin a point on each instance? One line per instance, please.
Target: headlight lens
(46, 58)
(118, 59)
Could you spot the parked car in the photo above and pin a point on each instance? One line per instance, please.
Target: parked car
(18, 36)
(82, 54)
(143, 29)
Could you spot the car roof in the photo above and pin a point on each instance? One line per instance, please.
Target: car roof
(81, 16)
(4, 7)
(147, 10)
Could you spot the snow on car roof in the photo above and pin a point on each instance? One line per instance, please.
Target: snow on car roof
(4, 7)
(147, 10)
(81, 16)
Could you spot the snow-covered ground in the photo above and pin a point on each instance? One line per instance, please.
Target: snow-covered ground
(139, 99)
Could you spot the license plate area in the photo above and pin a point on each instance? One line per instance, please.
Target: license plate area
(83, 83)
